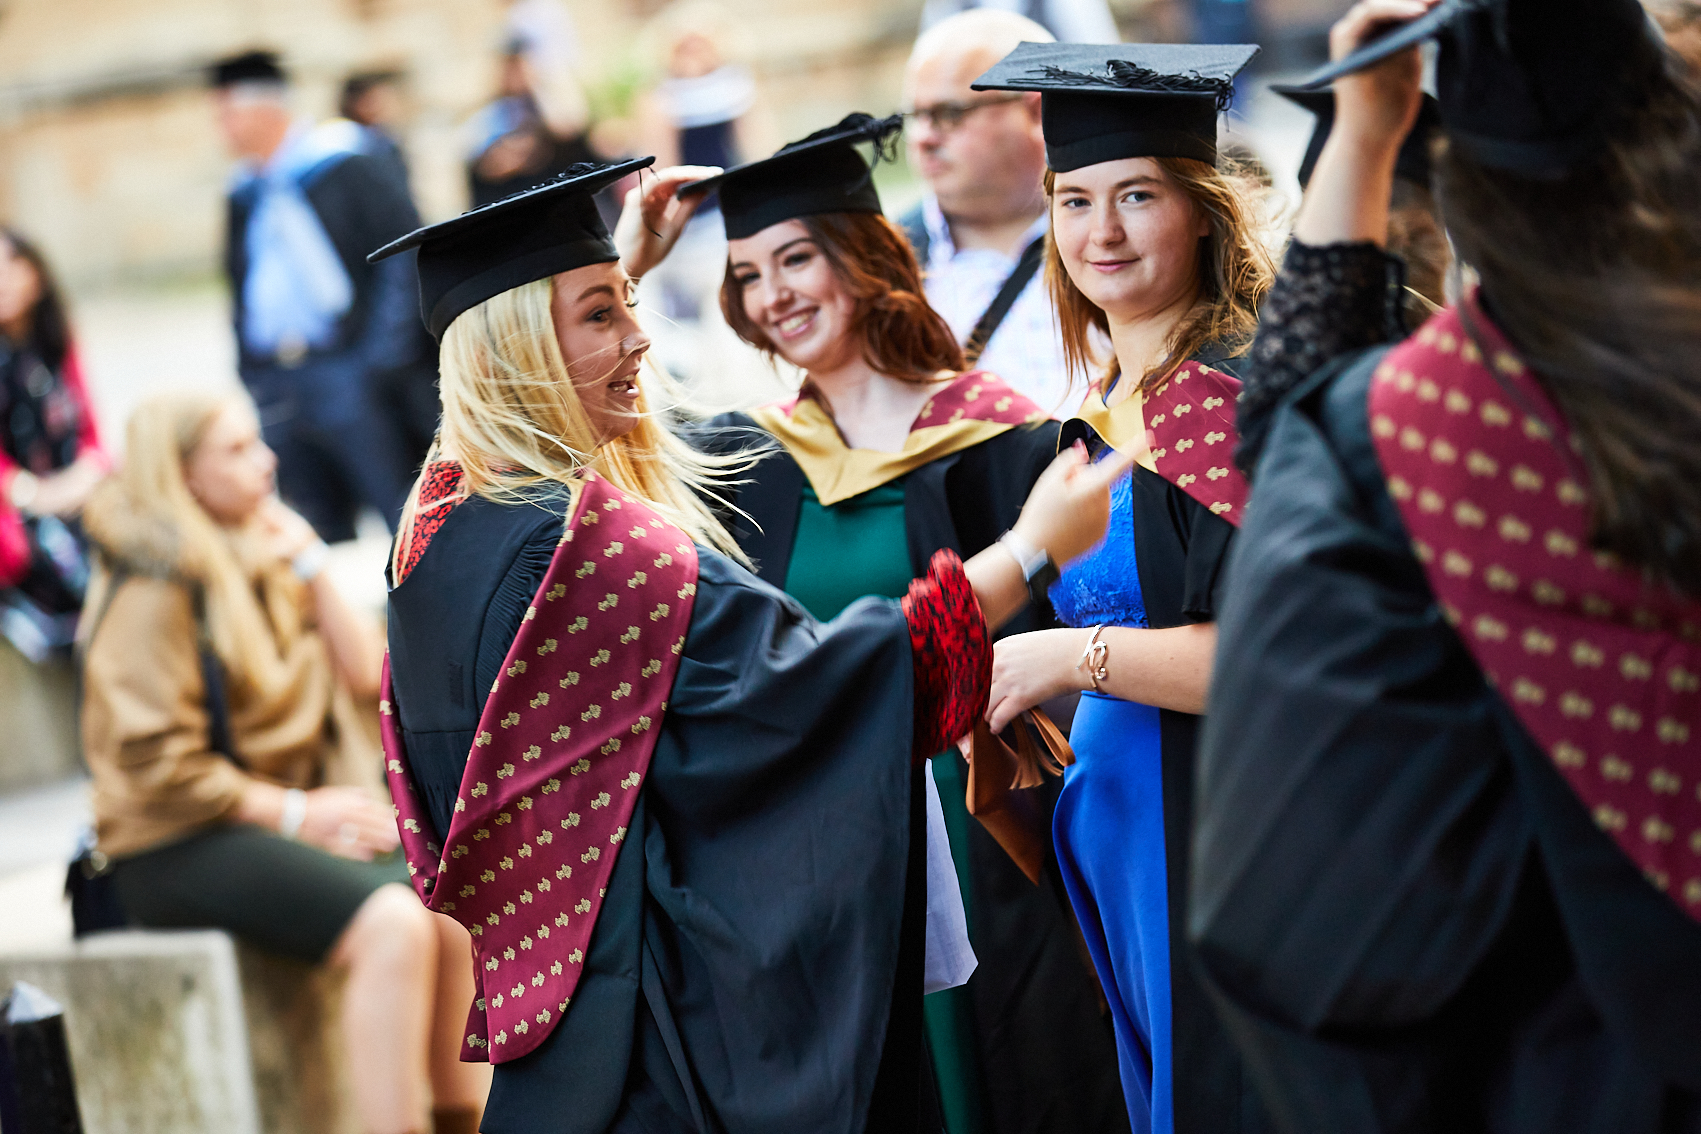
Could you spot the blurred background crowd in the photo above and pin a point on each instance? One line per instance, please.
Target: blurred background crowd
(155, 158)
(130, 202)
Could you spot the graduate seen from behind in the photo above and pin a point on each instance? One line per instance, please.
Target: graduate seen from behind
(674, 810)
(1447, 869)
(893, 450)
(1153, 245)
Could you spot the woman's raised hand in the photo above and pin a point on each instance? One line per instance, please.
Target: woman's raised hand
(284, 531)
(1375, 109)
(1069, 506)
(654, 216)
(1378, 104)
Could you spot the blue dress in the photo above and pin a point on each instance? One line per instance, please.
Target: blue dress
(1109, 830)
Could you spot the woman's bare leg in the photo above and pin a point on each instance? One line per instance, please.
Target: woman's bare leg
(455, 1086)
(390, 950)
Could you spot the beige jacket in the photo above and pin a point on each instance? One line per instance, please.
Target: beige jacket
(145, 722)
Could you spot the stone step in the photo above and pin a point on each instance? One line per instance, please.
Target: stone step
(185, 1032)
(38, 718)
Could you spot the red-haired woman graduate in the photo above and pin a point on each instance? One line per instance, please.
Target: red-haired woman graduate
(896, 448)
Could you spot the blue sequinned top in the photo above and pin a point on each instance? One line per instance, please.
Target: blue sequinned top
(1103, 586)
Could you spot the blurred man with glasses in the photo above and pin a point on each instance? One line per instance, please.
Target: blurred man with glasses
(980, 227)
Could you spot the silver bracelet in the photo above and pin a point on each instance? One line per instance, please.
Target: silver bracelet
(1095, 659)
(294, 812)
(310, 561)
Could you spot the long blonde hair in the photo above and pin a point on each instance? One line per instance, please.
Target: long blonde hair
(513, 420)
(1235, 270)
(253, 606)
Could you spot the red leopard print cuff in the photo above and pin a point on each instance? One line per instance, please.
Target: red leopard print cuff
(952, 654)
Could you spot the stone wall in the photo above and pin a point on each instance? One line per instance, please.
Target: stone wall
(107, 146)
(187, 1033)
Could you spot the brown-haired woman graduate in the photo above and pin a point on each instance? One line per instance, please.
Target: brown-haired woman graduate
(674, 810)
(1447, 872)
(1154, 246)
(893, 450)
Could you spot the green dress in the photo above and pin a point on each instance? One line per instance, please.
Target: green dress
(842, 552)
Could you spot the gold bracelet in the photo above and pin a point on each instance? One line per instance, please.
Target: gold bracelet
(1095, 659)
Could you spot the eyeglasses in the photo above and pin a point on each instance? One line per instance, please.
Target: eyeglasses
(947, 116)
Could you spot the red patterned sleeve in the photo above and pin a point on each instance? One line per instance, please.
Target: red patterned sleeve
(951, 650)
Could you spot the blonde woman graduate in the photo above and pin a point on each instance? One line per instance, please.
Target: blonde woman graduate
(673, 809)
(1155, 246)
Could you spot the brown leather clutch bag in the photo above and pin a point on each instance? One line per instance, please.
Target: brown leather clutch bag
(1000, 779)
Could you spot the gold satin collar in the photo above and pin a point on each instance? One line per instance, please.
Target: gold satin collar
(1122, 426)
(838, 472)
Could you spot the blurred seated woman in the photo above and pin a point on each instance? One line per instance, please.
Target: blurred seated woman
(215, 805)
(50, 457)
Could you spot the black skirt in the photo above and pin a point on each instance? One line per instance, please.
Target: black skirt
(278, 895)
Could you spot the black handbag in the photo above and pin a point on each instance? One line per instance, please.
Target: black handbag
(95, 904)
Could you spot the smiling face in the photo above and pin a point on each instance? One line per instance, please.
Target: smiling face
(231, 471)
(592, 308)
(794, 297)
(1128, 236)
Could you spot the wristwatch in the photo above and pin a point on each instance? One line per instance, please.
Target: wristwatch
(1038, 571)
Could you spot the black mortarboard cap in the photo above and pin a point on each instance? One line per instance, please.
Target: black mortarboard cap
(1105, 102)
(822, 173)
(1533, 87)
(531, 235)
(1413, 162)
(249, 67)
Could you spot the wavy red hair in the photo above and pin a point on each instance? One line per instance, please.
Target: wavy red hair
(902, 336)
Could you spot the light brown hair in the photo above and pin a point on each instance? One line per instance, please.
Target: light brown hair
(902, 336)
(1235, 270)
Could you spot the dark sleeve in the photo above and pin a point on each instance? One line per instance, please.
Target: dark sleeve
(776, 853)
(1182, 550)
(1358, 840)
(1205, 576)
(1327, 301)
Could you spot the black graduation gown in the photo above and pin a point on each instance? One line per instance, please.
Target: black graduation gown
(696, 1010)
(1408, 919)
(1182, 551)
(1047, 1056)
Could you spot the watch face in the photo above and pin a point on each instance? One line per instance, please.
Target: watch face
(1039, 583)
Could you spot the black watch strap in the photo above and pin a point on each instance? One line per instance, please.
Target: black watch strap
(1039, 583)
